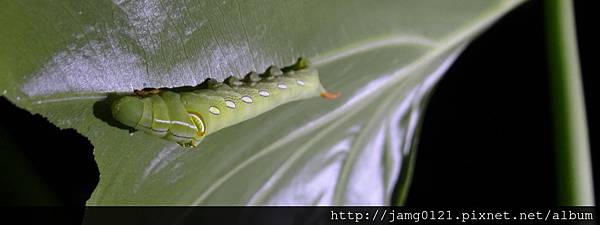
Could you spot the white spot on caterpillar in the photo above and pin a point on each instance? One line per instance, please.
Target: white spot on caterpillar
(214, 110)
(282, 86)
(264, 93)
(247, 99)
(300, 82)
(230, 104)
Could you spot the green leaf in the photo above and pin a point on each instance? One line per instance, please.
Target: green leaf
(61, 58)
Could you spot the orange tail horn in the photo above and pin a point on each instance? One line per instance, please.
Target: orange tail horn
(329, 96)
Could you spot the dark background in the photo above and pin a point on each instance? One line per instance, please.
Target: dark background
(486, 139)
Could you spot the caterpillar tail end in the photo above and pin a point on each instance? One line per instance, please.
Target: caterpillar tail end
(330, 95)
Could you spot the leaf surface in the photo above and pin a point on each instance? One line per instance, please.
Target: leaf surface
(61, 58)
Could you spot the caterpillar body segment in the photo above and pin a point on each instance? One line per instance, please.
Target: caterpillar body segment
(187, 117)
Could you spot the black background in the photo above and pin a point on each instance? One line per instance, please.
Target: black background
(486, 138)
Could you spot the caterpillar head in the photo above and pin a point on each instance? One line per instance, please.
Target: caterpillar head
(128, 110)
(152, 115)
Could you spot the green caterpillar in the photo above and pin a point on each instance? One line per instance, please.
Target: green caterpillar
(186, 117)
